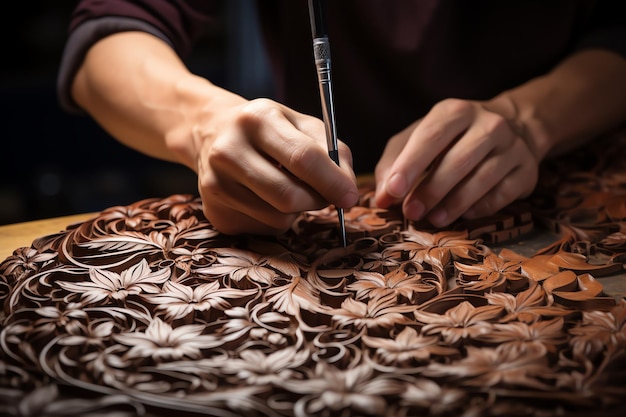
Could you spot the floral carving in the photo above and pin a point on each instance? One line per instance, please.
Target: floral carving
(146, 310)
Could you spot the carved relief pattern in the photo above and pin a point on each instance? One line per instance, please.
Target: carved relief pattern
(148, 309)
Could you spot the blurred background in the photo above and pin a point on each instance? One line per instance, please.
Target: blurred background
(54, 163)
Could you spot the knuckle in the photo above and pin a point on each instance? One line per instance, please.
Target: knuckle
(490, 122)
(302, 159)
(254, 112)
(293, 200)
(288, 199)
(222, 153)
(454, 106)
(462, 163)
(494, 124)
(208, 186)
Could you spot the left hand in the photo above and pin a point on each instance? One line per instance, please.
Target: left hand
(462, 159)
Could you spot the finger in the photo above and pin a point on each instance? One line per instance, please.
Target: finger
(259, 175)
(518, 184)
(503, 178)
(488, 135)
(220, 176)
(307, 160)
(314, 128)
(445, 122)
(225, 202)
(392, 149)
(231, 222)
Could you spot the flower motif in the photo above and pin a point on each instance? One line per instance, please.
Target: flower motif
(256, 367)
(95, 333)
(380, 261)
(356, 388)
(548, 332)
(437, 399)
(53, 318)
(105, 284)
(183, 230)
(460, 322)
(120, 218)
(185, 256)
(161, 342)
(25, 261)
(527, 306)
(179, 301)
(408, 346)
(600, 330)
(178, 206)
(517, 365)
(437, 249)
(298, 294)
(493, 273)
(377, 312)
(409, 281)
(241, 264)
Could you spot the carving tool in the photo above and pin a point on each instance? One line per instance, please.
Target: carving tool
(321, 52)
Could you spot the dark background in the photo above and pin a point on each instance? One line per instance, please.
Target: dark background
(54, 163)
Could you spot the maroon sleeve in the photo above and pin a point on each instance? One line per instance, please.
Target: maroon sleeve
(176, 22)
(180, 21)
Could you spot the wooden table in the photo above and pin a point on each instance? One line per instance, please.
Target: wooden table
(17, 235)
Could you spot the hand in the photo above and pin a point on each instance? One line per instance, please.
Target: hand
(462, 159)
(260, 164)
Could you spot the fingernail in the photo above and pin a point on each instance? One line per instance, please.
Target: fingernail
(414, 210)
(438, 218)
(397, 186)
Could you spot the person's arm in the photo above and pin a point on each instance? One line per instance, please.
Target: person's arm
(471, 158)
(259, 163)
(582, 98)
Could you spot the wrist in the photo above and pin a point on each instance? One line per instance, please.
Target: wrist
(199, 103)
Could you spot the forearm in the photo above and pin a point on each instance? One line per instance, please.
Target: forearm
(136, 87)
(580, 99)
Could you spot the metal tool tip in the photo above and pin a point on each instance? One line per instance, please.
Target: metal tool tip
(343, 239)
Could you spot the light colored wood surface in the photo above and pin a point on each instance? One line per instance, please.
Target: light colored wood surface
(18, 235)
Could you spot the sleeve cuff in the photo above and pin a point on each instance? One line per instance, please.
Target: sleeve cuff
(79, 42)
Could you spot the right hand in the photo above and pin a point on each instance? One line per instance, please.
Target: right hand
(260, 164)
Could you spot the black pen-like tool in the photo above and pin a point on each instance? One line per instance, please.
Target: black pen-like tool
(321, 52)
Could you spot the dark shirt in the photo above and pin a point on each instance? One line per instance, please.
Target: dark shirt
(391, 60)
